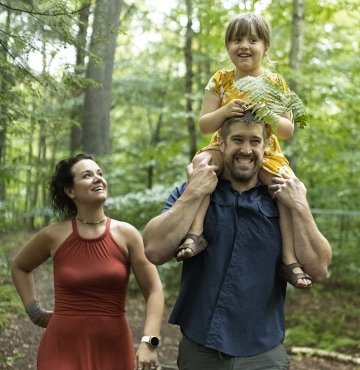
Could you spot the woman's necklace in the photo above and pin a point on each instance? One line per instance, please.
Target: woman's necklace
(89, 222)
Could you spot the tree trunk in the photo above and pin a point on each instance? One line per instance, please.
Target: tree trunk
(297, 39)
(296, 53)
(76, 134)
(29, 173)
(97, 103)
(155, 138)
(155, 132)
(5, 83)
(188, 81)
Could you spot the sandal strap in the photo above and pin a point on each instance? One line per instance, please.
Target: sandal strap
(287, 273)
(194, 237)
(199, 243)
(293, 265)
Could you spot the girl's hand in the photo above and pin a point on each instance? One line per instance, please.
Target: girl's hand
(146, 358)
(233, 109)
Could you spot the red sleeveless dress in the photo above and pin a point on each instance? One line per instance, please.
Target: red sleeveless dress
(89, 329)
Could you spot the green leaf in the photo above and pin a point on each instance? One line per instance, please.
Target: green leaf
(266, 100)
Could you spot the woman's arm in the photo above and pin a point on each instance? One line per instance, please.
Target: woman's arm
(150, 285)
(32, 255)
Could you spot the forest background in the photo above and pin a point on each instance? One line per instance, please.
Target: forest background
(124, 80)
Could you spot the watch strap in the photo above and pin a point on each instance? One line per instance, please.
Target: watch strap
(152, 340)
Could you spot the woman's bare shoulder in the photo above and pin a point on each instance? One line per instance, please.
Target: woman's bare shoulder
(121, 227)
(55, 233)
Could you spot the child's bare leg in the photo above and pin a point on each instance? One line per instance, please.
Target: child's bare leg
(194, 239)
(294, 273)
(288, 247)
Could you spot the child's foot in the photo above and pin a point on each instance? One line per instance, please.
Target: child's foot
(294, 274)
(190, 248)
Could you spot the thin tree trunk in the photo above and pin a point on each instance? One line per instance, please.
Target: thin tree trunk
(297, 40)
(5, 84)
(37, 187)
(97, 103)
(29, 174)
(296, 54)
(76, 132)
(189, 80)
(155, 133)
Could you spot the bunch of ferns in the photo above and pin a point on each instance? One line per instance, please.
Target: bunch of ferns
(267, 100)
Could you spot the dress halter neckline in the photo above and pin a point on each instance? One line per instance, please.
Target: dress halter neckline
(89, 222)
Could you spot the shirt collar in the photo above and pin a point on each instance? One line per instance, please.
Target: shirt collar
(224, 183)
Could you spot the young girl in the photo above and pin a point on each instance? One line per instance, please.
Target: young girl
(247, 40)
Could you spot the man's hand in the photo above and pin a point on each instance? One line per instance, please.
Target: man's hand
(289, 190)
(202, 178)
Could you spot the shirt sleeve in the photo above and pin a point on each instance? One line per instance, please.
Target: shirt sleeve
(214, 84)
(174, 195)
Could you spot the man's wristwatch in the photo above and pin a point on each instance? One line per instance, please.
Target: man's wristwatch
(153, 341)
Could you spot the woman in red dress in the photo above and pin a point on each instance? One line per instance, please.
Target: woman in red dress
(92, 257)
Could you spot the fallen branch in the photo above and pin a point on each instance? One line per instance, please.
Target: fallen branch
(326, 354)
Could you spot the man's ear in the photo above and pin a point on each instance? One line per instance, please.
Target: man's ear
(222, 145)
(267, 142)
(69, 192)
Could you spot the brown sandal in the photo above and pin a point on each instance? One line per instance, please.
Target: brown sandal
(199, 244)
(287, 272)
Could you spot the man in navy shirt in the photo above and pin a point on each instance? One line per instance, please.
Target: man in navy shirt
(230, 307)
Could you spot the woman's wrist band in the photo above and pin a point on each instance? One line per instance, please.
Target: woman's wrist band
(36, 314)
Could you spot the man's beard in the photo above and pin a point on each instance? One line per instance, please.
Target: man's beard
(238, 174)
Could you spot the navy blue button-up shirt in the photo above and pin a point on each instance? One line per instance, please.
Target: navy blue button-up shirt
(230, 298)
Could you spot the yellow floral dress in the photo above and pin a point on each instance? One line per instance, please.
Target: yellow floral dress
(222, 85)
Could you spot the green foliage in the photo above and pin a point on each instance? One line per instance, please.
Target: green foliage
(170, 274)
(139, 207)
(324, 322)
(10, 304)
(267, 99)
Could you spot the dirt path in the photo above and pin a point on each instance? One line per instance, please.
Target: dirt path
(19, 342)
(19, 339)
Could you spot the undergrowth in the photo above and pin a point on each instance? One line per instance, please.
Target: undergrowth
(326, 317)
(10, 303)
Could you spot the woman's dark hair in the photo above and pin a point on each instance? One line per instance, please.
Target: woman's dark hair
(63, 177)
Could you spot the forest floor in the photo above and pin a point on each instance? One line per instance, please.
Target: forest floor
(19, 338)
(19, 342)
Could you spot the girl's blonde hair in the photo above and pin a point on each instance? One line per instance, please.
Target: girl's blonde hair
(240, 27)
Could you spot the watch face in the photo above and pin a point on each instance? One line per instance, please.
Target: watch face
(154, 341)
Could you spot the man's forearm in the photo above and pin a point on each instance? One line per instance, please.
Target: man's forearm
(312, 249)
(163, 234)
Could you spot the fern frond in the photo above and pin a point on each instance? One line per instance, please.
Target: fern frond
(266, 100)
